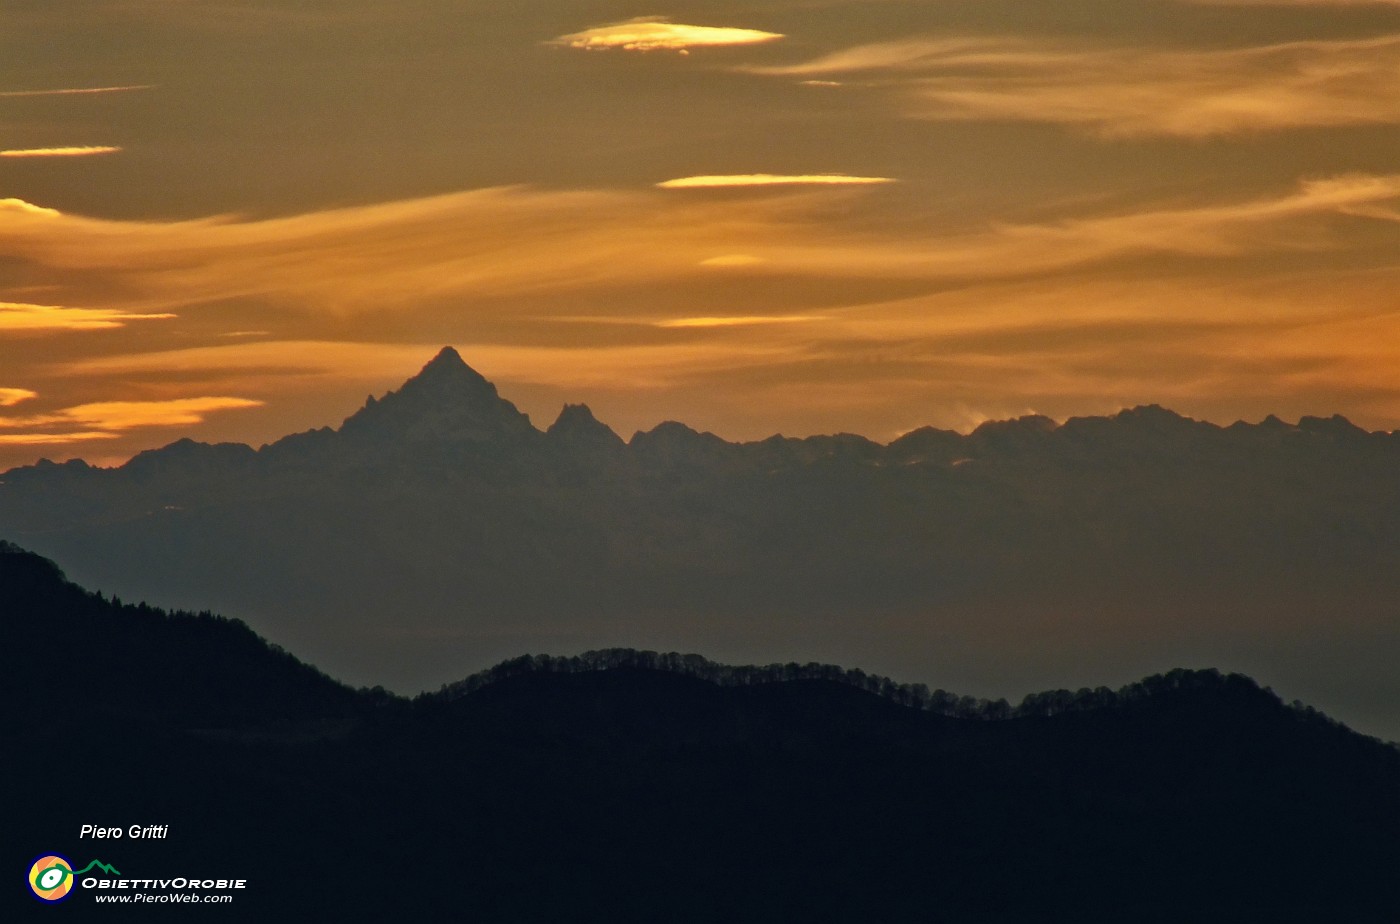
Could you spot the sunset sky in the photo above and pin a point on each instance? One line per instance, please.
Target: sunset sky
(235, 219)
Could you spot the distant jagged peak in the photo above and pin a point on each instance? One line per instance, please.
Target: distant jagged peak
(670, 444)
(446, 400)
(671, 433)
(1014, 434)
(447, 357)
(1027, 423)
(926, 434)
(1336, 430)
(1272, 422)
(1152, 413)
(669, 429)
(574, 415)
(1335, 426)
(186, 448)
(1154, 420)
(576, 426)
(448, 371)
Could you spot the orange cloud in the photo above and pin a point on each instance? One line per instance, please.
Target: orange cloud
(770, 179)
(519, 243)
(1294, 221)
(654, 33)
(312, 358)
(125, 415)
(732, 260)
(109, 416)
(20, 207)
(53, 439)
(482, 243)
(83, 151)
(1132, 91)
(735, 321)
(9, 397)
(19, 317)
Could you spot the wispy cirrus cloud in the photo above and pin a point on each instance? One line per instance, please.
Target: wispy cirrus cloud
(347, 361)
(659, 34)
(111, 420)
(1300, 220)
(9, 397)
(54, 439)
(771, 179)
(108, 419)
(516, 242)
(1128, 91)
(732, 260)
(486, 243)
(26, 318)
(77, 151)
(736, 320)
(77, 91)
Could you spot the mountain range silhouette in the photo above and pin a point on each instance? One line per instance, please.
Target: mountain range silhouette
(437, 530)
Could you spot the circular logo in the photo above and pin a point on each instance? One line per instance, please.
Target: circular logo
(51, 878)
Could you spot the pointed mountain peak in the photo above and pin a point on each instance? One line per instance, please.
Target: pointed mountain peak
(675, 442)
(576, 417)
(447, 360)
(1155, 417)
(1025, 425)
(1149, 412)
(447, 400)
(1335, 427)
(447, 356)
(578, 428)
(448, 369)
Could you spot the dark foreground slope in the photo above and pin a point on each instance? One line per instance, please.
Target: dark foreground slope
(669, 788)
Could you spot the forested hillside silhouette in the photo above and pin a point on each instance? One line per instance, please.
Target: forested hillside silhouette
(627, 785)
(913, 695)
(71, 651)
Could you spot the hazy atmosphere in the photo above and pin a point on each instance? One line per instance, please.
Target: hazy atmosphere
(232, 220)
(872, 460)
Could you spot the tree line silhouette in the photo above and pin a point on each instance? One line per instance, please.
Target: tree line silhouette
(913, 695)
